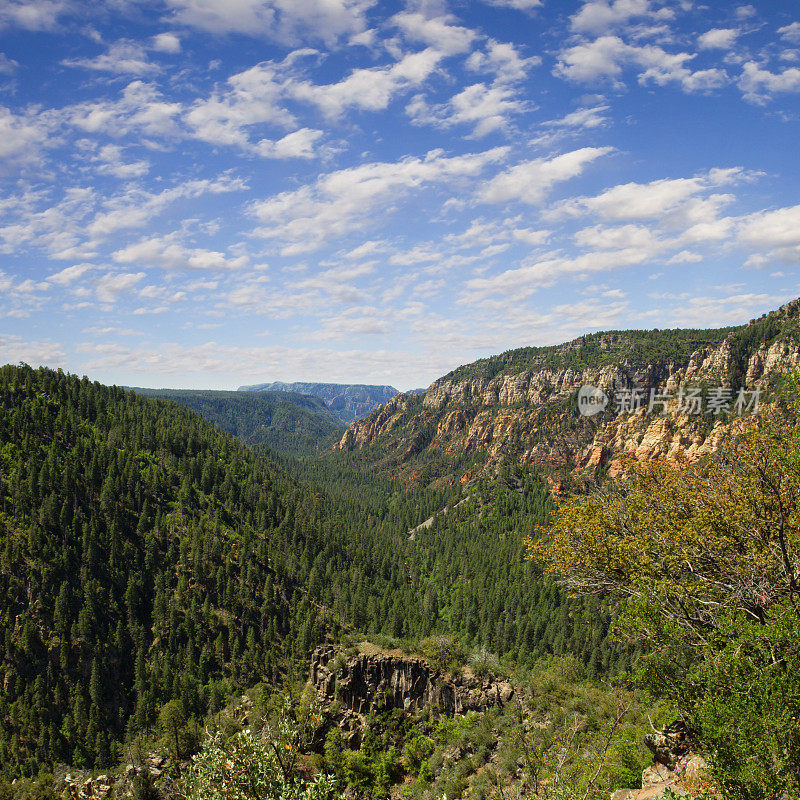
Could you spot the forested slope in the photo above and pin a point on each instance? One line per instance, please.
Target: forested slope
(284, 422)
(147, 557)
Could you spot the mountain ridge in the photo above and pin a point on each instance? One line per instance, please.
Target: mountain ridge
(522, 405)
(349, 401)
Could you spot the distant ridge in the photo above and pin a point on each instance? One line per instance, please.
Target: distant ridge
(288, 423)
(349, 402)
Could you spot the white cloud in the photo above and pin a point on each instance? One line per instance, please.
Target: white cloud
(166, 43)
(286, 20)
(633, 201)
(169, 253)
(14, 349)
(298, 144)
(759, 84)
(20, 139)
(503, 61)
(604, 59)
(718, 39)
(531, 181)
(252, 97)
(791, 33)
(436, 32)
(140, 109)
(7, 65)
(111, 285)
(349, 199)
(732, 310)
(774, 235)
(136, 207)
(620, 237)
(599, 16)
(69, 275)
(112, 163)
(486, 109)
(519, 5)
(590, 118)
(33, 15)
(368, 89)
(123, 58)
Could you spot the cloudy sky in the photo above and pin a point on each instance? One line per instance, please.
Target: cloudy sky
(203, 193)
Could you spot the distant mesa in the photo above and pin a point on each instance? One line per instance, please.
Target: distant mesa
(349, 402)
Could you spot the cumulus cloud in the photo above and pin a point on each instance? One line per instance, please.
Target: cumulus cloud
(33, 15)
(345, 200)
(484, 108)
(604, 59)
(502, 60)
(437, 32)
(791, 33)
(111, 285)
(21, 139)
(718, 39)
(140, 109)
(166, 43)
(252, 97)
(169, 253)
(285, 20)
(759, 84)
(773, 235)
(519, 5)
(599, 16)
(531, 181)
(370, 88)
(69, 275)
(15, 349)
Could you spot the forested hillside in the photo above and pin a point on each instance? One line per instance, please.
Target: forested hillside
(348, 402)
(150, 559)
(284, 422)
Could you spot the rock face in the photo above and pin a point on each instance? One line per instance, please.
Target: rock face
(523, 404)
(675, 766)
(368, 681)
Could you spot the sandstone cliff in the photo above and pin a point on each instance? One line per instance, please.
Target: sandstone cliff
(522, 405)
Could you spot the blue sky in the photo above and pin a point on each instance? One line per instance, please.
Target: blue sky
(204, 193)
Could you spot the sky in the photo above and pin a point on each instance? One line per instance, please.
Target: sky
(208, 193)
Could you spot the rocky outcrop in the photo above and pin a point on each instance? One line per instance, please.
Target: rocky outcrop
(82, 785)
(530, 414)
(371, 679)
(676, 766)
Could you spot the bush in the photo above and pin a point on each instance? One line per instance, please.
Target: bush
(445, 653)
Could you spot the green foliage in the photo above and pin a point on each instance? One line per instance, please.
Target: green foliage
(248, 767)
(445, 653)
(284, 422)
(596, 350)
(706, 560)
(144, 788)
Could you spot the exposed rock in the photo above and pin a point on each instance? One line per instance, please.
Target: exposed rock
(676, 767)
(531, 416)
(670, 744)
(367, 681)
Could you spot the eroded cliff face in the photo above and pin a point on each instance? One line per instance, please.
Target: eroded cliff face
(371, 679)
(531, 416)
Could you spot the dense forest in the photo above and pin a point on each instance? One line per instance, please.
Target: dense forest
(281, 422)
(151, 561)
